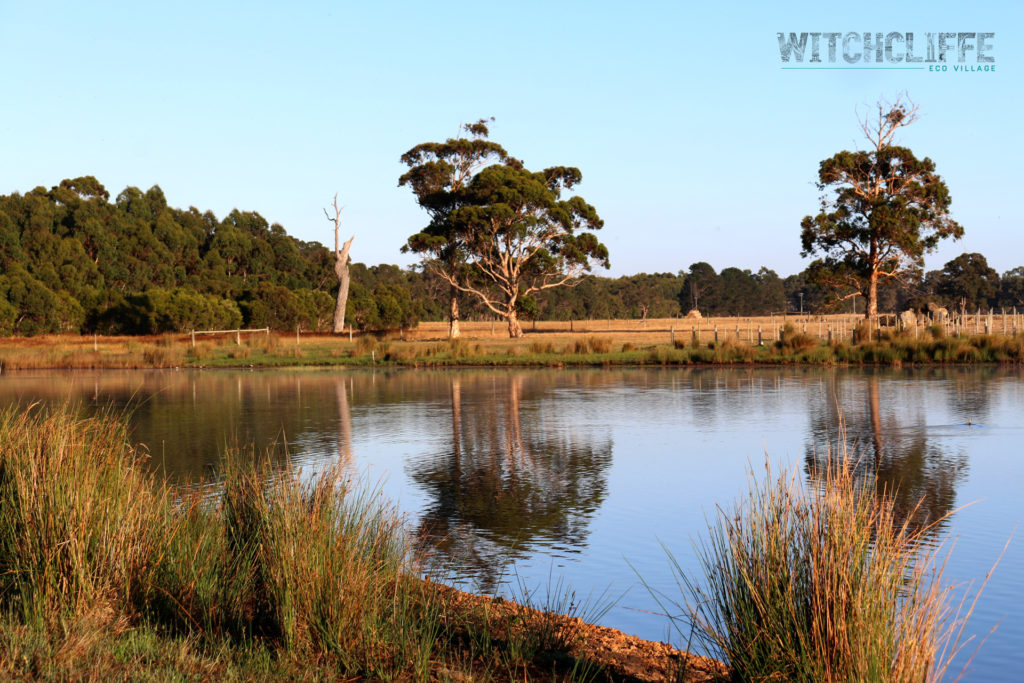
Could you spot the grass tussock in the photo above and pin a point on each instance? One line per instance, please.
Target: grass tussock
(106, 572)
(820, 584)
(80, 521)
(793, 341)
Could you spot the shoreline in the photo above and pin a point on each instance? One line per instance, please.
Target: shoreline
(622, 656)
(543, 350)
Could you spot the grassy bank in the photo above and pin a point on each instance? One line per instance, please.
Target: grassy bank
(106, 573)
(584, 349)
(821, 582)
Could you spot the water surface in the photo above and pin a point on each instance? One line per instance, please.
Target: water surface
(525, 477)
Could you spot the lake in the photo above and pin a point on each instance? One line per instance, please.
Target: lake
(531, 477)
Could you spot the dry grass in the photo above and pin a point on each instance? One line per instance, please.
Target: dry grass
(790, 339)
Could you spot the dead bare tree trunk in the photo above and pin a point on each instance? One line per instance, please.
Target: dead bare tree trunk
(340, 267)
(453, 315)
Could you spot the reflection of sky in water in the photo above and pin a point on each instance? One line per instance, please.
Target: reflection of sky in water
(594, 468)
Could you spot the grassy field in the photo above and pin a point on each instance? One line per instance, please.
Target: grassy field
(791, 339)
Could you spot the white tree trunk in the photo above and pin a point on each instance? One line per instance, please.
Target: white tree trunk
(341, 270)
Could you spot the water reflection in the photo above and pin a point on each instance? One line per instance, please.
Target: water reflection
(511, 477)
(886, 433)
(575, 470)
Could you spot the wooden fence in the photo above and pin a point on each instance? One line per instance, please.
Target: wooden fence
(238, 333)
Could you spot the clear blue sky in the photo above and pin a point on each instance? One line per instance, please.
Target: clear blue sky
(694, 144)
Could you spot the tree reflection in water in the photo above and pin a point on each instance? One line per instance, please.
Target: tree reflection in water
(513, 478)
(909, 461)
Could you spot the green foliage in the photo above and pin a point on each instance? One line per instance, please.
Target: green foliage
(499, 232)
(438, 173)
(886, 210)
(73, 261)
(162, 310)
(968, 283)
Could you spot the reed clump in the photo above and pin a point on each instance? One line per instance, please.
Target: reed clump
(795, 341)
(820, 584)
(279, 576)
(80, 521)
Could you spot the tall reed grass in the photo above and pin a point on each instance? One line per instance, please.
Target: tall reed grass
(307, 569)
(80, 522)
(822, 583)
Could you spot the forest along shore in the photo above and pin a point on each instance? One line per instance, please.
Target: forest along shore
(833, 339)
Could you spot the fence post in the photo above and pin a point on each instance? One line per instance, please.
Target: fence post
(238, 337)
(350, 333)
(193, 339)
(296, 334)
(760, 339)
(716, 334)
(95, 346)
(672, 335)
(829, 334)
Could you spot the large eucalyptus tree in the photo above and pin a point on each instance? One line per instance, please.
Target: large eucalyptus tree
(886, 210)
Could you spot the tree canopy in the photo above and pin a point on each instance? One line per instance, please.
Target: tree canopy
(438, 174)
(74, 260)
(523, 237)
(886, 210)
(498, 231)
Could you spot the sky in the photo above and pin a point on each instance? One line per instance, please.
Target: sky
(693, 141)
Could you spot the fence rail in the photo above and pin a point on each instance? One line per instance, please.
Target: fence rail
(237, 332)
(829, 327)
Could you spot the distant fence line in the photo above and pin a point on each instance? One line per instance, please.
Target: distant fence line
(848, 327)
(754, 329)
(236, 332)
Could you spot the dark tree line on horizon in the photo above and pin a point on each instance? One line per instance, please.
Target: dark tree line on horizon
(73, 260)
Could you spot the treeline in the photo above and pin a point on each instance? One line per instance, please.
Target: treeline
(72, 260)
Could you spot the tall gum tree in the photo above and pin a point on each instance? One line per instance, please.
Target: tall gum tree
(886, 210)
(438, 173)
(522, 237)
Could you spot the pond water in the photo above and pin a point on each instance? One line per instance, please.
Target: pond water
(532, 477)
